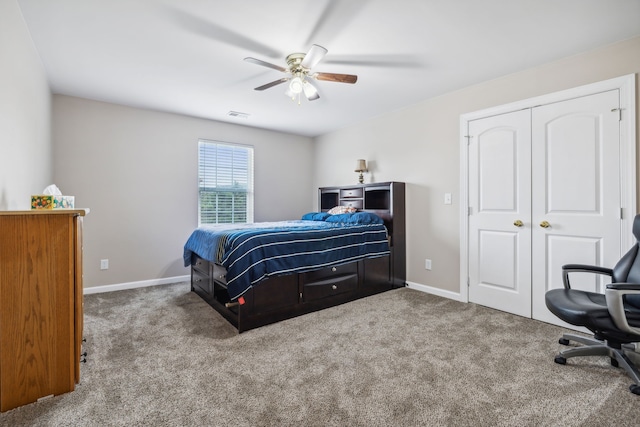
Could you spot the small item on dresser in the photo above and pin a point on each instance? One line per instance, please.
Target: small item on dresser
(52, 198)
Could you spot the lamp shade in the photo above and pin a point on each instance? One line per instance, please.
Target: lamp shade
(296, 85)
(361, 165)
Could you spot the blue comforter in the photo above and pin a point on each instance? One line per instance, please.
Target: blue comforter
(253, 252)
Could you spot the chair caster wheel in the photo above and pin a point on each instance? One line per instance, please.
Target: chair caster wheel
(560, 360)
(563, 341)
(635, 389)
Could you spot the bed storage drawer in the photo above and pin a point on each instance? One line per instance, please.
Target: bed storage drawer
(329, 287)
(202, 265)
(201, 281)
(326, 273)
(219, 274)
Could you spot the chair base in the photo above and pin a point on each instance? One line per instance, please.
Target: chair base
(595, 347)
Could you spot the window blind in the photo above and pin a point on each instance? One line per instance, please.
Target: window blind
(225, 177)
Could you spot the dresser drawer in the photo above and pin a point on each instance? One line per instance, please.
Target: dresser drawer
(329, 287)
(329, 272)
(351, 193)
(202, 265)
(220, 274)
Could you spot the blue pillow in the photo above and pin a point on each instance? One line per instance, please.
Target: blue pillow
(321, 216)
(315, 216)
(356, 218)
(365, 218)
(343, 218)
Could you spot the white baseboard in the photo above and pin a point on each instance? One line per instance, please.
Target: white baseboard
(436, 291)
(134, 285)
(168, 280)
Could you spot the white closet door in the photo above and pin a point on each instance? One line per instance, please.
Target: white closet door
(500, 214)
(576, 191)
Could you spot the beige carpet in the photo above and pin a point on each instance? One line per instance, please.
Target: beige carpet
(161, 356)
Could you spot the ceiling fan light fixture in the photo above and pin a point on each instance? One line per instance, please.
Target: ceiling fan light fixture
(310, 91)
(296, 85)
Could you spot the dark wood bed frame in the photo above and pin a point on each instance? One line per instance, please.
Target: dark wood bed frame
(283, 297)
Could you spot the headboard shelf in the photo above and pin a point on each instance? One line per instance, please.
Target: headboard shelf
(377, 196)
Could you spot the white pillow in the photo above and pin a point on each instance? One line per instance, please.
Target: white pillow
(341, 210)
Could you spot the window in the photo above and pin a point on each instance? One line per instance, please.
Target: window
(225, 183)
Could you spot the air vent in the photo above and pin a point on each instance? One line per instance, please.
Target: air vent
(238, 114)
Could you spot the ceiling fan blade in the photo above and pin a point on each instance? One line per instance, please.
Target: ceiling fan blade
(333, 77)
(272, 84)
(315, 55)
(382, 61)
(266, 64)
(206, 28)
(334, 18)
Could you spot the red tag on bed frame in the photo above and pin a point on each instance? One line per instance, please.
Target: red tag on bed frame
(241, 300)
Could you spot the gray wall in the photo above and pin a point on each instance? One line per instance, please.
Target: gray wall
(420, 145)
(25, 113)
(136, 170)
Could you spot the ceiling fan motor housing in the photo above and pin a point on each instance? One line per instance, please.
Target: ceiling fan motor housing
(293, 61)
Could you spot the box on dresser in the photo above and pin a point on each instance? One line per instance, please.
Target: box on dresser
(50, 201)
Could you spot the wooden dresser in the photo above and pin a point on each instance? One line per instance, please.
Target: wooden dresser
(40, 304)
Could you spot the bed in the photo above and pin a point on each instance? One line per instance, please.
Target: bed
(261, 273)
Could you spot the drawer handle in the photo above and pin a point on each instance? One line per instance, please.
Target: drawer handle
(222, 276)
(334, 287)
(334, 269)
(198, 280)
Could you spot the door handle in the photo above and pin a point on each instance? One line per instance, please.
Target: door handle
(518, 223)
(545, 224)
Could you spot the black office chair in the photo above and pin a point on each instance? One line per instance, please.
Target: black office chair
(614, 318)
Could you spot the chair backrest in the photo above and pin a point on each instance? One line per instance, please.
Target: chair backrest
(628, 268)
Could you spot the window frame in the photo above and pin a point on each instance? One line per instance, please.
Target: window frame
(212, 174)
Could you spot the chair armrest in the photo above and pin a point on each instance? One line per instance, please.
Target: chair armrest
(582, 268)
(614, 295)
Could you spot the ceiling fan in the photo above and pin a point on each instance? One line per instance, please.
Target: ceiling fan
(299, 72)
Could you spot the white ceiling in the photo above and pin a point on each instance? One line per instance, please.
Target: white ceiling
(186, 56)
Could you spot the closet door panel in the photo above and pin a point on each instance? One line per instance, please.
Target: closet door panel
(564, 250)
(499, 221)
(573, 158)
(575, 191)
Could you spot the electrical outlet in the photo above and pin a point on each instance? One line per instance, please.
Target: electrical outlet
(427, 264)
(104, 264)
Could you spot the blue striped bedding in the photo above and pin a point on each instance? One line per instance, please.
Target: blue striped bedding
(253, 252)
